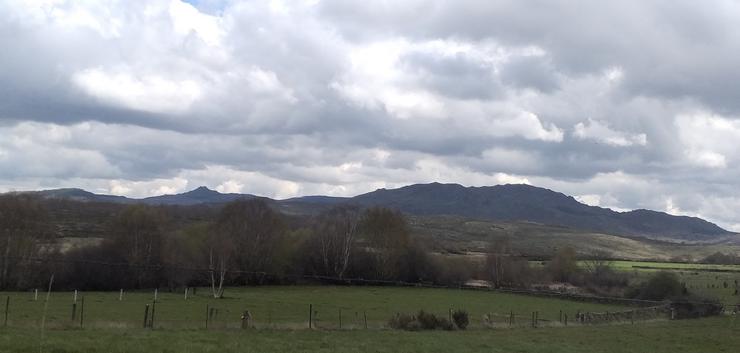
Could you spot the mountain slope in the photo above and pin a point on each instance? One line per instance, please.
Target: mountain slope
(194, 197)
(503, 203)
(533, 204)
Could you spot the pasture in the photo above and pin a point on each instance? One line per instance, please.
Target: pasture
(708, 280)
(281, 307)
(718, 334)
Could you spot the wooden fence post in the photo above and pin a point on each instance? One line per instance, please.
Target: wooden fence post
(208, 312)
(36, 294)
(364, 314)
(533, 319)
(246, 317)
(310, 316)
(146, 315)
(7, 309)
(82, 311)
(151, 323)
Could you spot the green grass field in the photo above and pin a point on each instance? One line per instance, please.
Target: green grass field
(281, 324)
(629, 265)
(713, 281)
(721, 334)
(282, 307)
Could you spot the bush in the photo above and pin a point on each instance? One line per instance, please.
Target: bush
(404, 322)
(662, 285)
(461, 319)
(422, 321)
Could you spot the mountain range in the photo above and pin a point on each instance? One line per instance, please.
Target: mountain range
(505, 203)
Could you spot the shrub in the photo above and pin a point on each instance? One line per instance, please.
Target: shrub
(461, 319)
(404, 322)
(422, 321)
(662, 285)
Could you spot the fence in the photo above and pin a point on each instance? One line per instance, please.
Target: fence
(190, 310)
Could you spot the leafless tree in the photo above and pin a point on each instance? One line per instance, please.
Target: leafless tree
(220, 252)
(388, 237)
(335, 232)
(23, 230)
(256, 233)
(498, 260)
(138, 234)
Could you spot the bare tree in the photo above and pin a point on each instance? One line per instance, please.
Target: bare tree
(138, 234)
(255, 232)
(388, 238)
(335, 232)
(597, 262)
(220, 251)
(23, 230)
(498, 260)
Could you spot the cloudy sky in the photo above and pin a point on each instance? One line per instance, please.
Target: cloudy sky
(623, 104)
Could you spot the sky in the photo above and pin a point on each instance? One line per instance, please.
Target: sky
(621, 104)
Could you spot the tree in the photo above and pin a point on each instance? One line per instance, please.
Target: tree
(503, 269)
(497, 261)
(184, 250)
(662, 285)
(387, 235)
(255, 232)
(23, 230)
(335, 235)
(563, 265)
(220, 256)
(137, 233)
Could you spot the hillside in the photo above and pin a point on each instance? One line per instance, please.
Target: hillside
(500, 203)
(514, 203)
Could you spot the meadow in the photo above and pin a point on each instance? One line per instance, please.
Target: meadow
(285, 307)
(718, 334)
(708, 280)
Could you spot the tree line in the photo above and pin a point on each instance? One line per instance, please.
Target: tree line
(249, 242)
(246, 242)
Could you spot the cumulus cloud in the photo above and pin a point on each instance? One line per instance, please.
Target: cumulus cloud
(625, 105)
(600, 132)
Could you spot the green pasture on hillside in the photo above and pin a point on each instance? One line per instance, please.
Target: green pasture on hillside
(712, 281)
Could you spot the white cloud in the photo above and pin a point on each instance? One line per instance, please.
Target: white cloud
(708, 140)
(151, 93)
(600, 132)
(526, 124)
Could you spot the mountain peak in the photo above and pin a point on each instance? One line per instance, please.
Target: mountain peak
(202, 190)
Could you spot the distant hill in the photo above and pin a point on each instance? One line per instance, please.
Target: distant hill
(194, 197)
(516, 203)
(502, 203)
(80, 195)
(201, 195)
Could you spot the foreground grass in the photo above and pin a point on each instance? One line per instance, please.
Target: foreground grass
(705, 335)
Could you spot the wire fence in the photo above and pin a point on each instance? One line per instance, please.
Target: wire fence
(110, 310)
